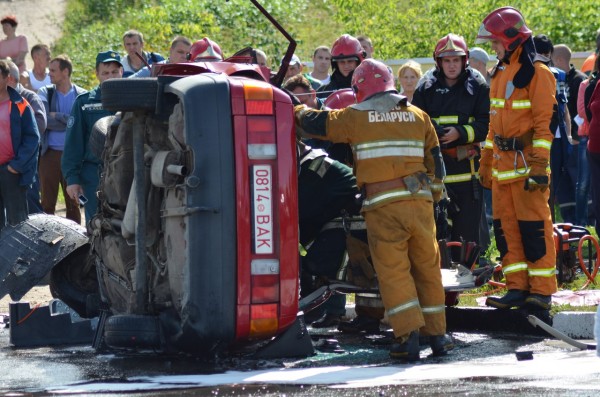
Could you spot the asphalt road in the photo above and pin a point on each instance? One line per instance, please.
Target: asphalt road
(481, 364)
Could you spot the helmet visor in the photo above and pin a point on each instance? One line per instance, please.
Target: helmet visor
(483, 36)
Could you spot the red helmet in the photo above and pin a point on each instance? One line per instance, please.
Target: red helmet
(205, 50)
(346, 47)
(370, 78)
(505, 24)
(451, 45)
(340, 99)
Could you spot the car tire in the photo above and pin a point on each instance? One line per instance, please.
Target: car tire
(132, 331)
(75, 284)
(141, 94)
(98, 135)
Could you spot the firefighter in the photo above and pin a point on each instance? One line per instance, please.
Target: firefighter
(457, 100)
(514, 162)
(400, 168)
(346, 55)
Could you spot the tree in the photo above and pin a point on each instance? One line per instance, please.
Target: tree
(406, 29)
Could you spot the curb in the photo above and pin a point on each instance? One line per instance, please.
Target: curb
(577, 325)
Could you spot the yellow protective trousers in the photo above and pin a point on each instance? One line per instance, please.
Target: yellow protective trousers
(407, 261)
(524, 236)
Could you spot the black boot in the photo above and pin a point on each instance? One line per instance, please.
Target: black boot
(406, 348)
(513, 298)
(539, 302)
(441, 344)
(360, 323)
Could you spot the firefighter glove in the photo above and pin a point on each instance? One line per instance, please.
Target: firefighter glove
(485, 171)
(537, 179)
(539, 182)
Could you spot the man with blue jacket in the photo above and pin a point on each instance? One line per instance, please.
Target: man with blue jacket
(80, 167)
(19, 142)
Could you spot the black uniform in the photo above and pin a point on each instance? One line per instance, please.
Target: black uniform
(326, 187)
(466, 106)
(574, 79)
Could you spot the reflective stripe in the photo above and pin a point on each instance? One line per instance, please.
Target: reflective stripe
(370, 150)
(433, 309)
(542, 143)
(470, 133)
(389, 152)
(446, 120)
(514, 267)
(395, 194)
(548, 272)
(489, 144)
(522, 104)
(458, 178)
(496, 102)
(436, 187)
(403, 307)
(507, 175)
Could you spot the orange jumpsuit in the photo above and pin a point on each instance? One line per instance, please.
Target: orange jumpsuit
(387, 146)
(522, 222)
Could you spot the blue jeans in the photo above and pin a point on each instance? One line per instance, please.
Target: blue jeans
(582, 192)
(13, 198)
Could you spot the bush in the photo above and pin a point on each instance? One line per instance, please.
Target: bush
(91, 27)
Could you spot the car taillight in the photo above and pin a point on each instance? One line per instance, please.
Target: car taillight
(261, 138)
(265, 280)
(263, 320)
(258, 97)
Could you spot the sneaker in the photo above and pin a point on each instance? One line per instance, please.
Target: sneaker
(406, 349)
(327, 320)
(358, 324)
(441, 344)
(513, 298)
(537, 301)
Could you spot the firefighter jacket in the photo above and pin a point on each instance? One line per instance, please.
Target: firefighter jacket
(465, 106)
(325, 188)
(391, 140)
(522, 113)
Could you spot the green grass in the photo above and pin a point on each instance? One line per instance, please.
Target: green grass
(469, 298)
(61, 198)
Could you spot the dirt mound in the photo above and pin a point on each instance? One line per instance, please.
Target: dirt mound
(40, 20)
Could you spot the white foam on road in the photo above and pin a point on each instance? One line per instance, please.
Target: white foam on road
(548, 369)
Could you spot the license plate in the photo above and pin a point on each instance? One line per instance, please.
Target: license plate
(263, 209)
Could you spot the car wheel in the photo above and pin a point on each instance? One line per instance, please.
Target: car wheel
(132, 331)
(74, 281)
(141, 94)
(98, 135)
